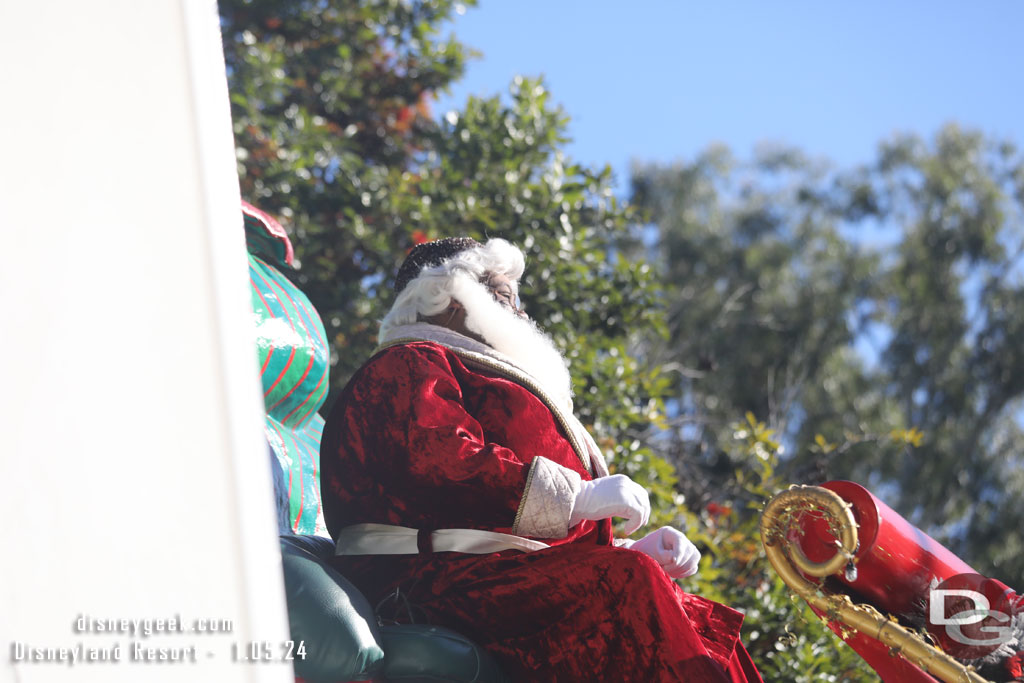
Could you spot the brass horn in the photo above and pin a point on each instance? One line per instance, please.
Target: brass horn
(778, 528)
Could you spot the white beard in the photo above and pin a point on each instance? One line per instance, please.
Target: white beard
(519, 338)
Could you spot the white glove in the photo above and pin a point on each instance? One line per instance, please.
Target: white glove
(672, 550)
(614, 496)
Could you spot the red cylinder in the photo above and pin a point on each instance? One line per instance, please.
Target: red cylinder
(895, 562)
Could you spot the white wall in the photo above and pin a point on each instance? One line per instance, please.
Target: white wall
(133, 476)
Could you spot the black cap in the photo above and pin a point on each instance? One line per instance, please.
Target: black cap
(429, 254)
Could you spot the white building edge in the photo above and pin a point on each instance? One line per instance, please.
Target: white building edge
(133, 466)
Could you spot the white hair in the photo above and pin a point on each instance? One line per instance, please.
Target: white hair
(432, 290)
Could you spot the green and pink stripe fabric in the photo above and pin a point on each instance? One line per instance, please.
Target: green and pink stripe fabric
(294, 360)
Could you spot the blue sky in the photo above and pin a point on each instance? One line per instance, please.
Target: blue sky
(660, 81)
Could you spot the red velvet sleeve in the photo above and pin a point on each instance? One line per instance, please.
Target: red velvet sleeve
(406, 423)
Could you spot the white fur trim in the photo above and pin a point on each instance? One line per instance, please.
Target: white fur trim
(439, 335)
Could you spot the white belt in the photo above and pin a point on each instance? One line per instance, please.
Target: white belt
(387, 539)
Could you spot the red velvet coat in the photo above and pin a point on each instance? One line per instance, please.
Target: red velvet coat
(420, 439)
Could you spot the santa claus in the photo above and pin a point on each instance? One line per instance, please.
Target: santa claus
(462, 492)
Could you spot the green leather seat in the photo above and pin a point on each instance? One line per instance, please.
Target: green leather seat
(343, 641)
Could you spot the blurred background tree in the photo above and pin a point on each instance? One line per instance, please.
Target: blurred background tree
(736, 327)
(762, 287)
(331, 110)
(871, 316)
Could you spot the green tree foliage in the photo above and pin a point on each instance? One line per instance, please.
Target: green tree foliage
(762, 287)
(785, 638)
(872, 316)
(334, 135)
(330, 102)
(952, 295)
